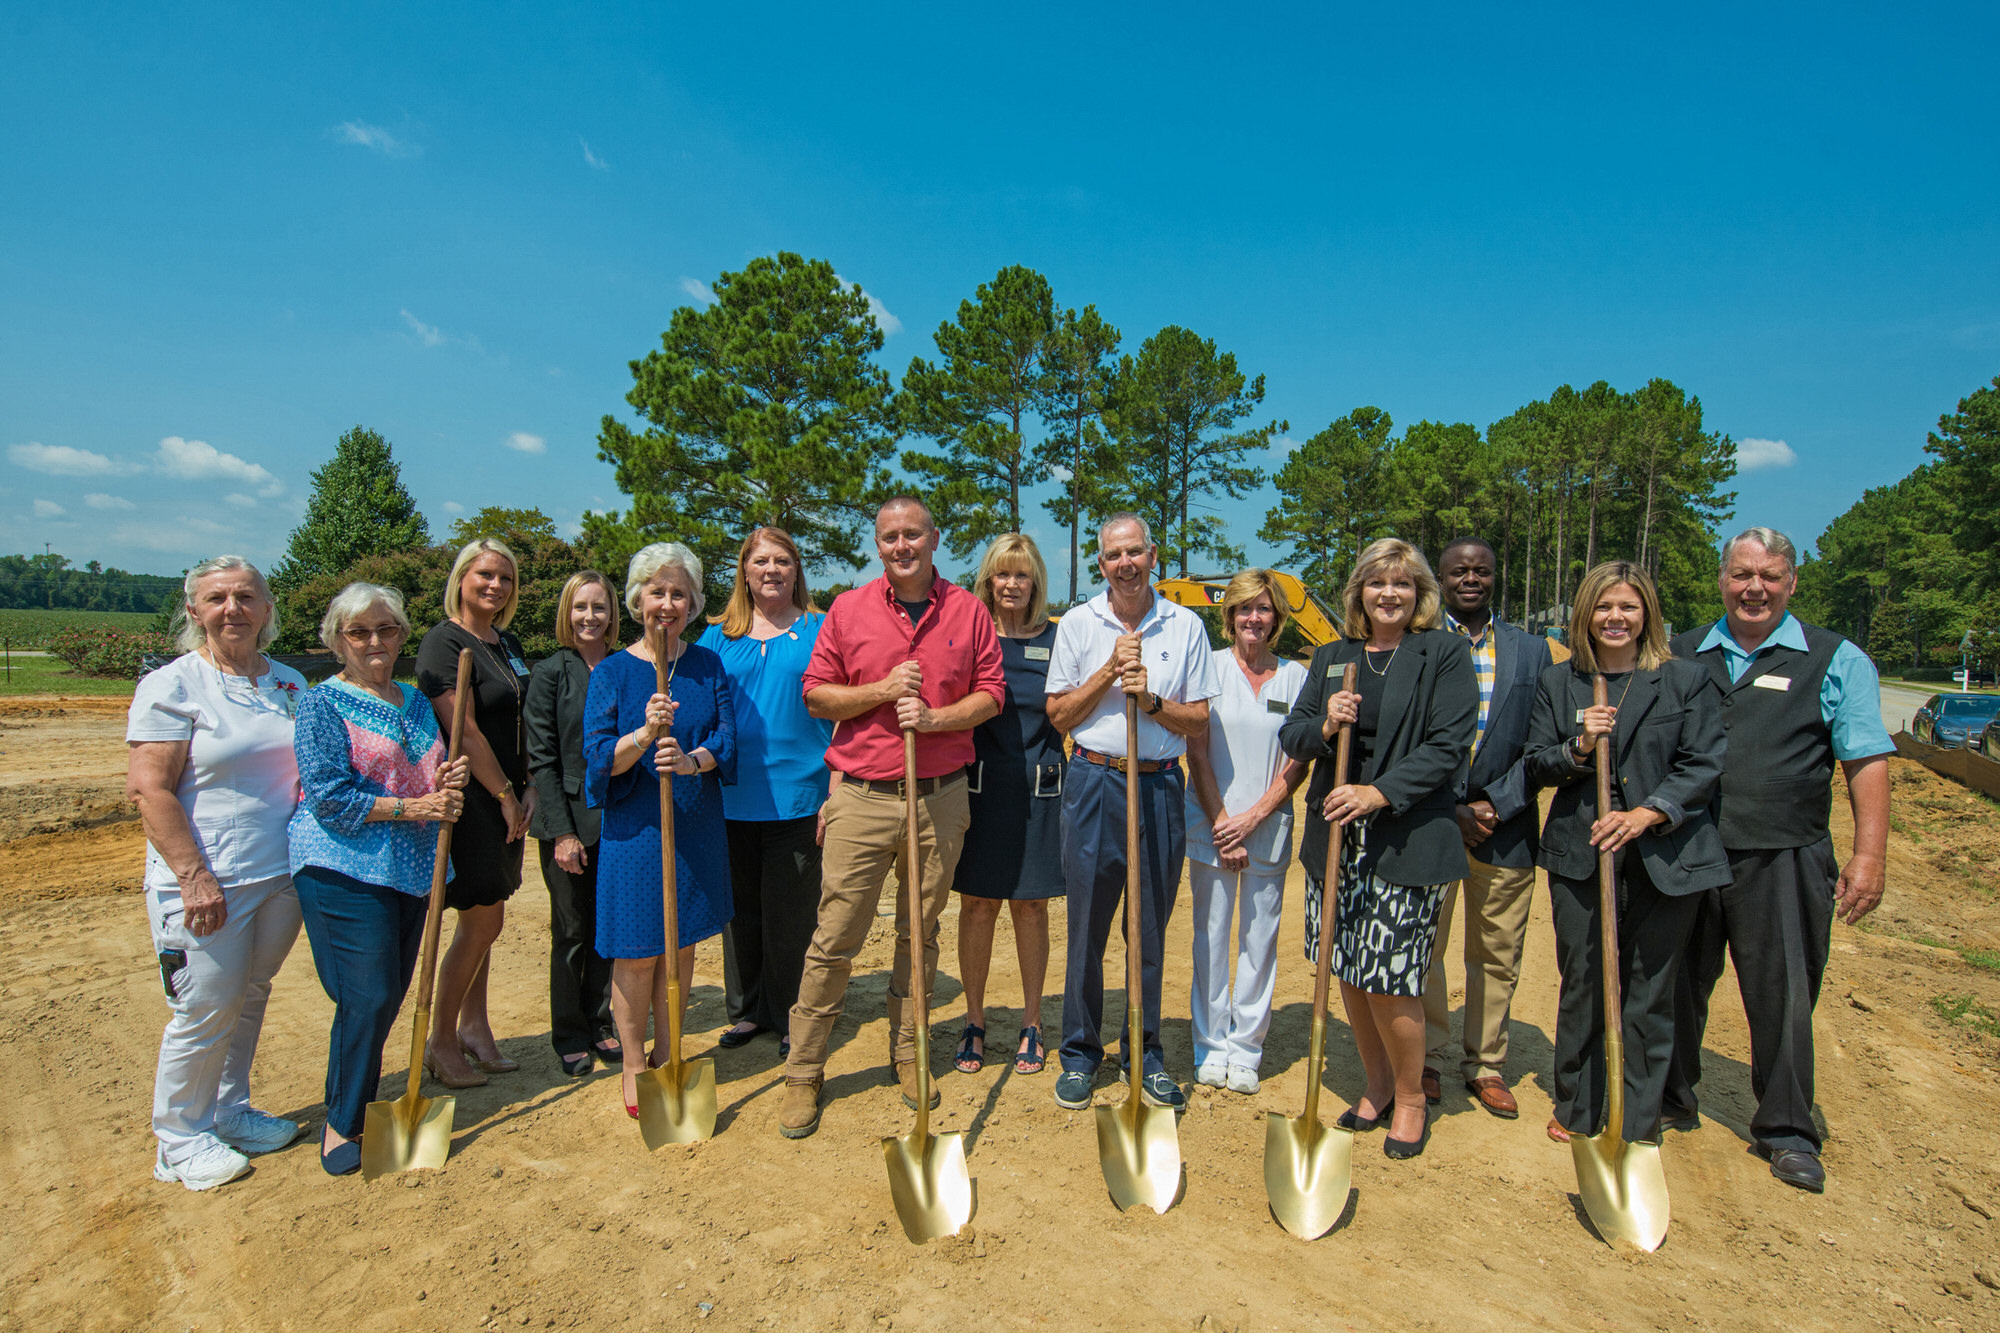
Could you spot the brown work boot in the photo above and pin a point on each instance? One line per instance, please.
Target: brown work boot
(799, 1116)
(906, 1075)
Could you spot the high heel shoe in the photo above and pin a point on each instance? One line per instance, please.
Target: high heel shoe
(475, 1079)
(631, 1106)
(502, 1065)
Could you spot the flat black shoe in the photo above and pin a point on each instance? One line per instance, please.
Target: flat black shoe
(1353, 1122)
(731, 1038)
(1800, 1170)
(342, 1161)
(612, 1056)
(1403, 1149)
(578, 1065)
(1681, 1124)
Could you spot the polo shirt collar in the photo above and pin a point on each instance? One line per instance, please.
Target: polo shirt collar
(1789, 634)
(1101, 604)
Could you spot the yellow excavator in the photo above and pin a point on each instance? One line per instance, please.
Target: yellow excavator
(1316, 622)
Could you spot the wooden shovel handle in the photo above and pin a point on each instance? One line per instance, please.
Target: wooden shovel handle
(440, 869)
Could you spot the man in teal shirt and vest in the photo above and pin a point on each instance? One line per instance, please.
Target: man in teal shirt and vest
(1796, 699)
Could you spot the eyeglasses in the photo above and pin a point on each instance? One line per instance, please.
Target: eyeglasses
(358, 634)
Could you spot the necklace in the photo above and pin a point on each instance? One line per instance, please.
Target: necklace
(1368, 655)
(513, 683)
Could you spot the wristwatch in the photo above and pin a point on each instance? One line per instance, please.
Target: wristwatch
(1159, 702)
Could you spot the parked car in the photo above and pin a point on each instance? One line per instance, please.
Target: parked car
(1989, 740)
(1948, 720)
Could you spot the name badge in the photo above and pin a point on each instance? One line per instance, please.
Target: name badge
(1579, 715)
(1278, 706)
(1773, 682)
(1035, 654)
(520, 667)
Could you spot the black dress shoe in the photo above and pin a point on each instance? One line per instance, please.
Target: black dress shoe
(1354, 1122)
(1796, 1168)
(731, 1038)
(1402, 1150)
(1683, 1122)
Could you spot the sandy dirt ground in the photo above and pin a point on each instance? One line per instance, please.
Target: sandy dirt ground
(551, 1214)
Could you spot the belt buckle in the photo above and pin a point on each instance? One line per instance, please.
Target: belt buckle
(1121, 763)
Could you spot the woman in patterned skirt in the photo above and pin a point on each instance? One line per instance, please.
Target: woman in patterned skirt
(630, 735)
(1414, 715)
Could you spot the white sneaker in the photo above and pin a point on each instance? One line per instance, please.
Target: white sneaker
(1243, 1079)
(252, 1131)
(217, 1164)
(1212, 1074)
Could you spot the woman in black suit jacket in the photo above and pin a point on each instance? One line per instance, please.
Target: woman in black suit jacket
(566, 829)
(1665, 725)
(1414, 717)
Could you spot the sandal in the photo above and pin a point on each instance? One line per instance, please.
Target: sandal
(1557, 1134)
(1030, 1059)
(969, 1061)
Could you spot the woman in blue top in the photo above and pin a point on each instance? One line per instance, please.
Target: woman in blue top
(690, 732)
(374, 786)
(765, 637)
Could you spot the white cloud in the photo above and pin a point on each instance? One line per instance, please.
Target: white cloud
(49, 509)
(363, 135)
(427, 334)
(523, 443)
(99, 500)
(1752, 455)
(453, 507)
(699, 290)
(60, 460)
(591, 159)
(195, 460)
(240, 500)
(888, 322)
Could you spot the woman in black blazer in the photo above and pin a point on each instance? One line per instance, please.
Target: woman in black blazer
(1414, 717)
(1665, 725)
(566, 829)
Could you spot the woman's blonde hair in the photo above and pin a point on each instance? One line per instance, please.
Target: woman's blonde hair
(1390, 553)
(565, 633)
(187, 631)
(1009, 549)
(467, 556)
(1244, 588)
(1653, 649)
(736, 616)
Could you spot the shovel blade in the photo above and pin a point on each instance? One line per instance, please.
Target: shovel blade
(1623, 1187)
(930, 1184)
(677, 1105)
(1308, 1170)
(408, 1134)
(1141, 1156)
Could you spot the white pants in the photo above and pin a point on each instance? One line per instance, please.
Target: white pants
(1229, 1024)
(218, 1006)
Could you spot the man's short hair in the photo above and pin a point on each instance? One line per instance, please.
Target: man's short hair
(905, 502)
(1145, 529)
(1772, 540)
(1467, 540)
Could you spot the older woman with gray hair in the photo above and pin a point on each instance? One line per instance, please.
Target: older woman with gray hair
(211, 771)
(375, 786)
(631, 734)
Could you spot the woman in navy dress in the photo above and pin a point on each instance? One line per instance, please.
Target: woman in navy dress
(632, 734)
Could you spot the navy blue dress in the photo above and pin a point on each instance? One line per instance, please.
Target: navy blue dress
(630, 919)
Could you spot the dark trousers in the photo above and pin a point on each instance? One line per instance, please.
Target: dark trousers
(579, 979)
(1776, 922)
(1093, 857)
(1652, 933)
(774, 876)
(365, 940)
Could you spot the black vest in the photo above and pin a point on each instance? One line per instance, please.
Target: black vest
(1777, 779)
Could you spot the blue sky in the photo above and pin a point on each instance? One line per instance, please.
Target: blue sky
(229, 233)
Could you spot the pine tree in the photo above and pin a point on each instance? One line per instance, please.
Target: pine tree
(359, 507)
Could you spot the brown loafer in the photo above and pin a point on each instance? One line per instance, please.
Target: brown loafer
(799, 1116)
(1493, 1095)
(1433, 1086)
(1557, 1133)
(906, 1075)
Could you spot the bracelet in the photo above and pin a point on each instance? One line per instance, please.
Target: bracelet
(397, 813)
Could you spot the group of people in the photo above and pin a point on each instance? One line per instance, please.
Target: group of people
(784, 729)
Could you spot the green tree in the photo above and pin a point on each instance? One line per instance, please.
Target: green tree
(358, 507)
(763, 407)
(1440, 484)
(1968, 443)
(1332, 497)
(1173, 406)
(509, 525)
(973, 402)
(1074, 390)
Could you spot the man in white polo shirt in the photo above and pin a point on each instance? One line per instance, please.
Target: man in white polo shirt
(1125, 641)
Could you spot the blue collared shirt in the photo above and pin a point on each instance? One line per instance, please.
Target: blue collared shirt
(1850, 695)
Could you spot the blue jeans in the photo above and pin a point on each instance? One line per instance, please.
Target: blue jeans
(1093, 856)
(365, 940)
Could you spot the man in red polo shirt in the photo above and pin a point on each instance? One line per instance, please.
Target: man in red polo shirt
(910, 650)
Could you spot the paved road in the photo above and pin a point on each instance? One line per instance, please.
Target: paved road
(1899, 702)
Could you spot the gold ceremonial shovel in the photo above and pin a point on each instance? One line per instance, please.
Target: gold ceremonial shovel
(1623, 1185)
(414, 1131)
(1138, 1145)
(1308, 1167)
(676, 1099)
(927, 1174)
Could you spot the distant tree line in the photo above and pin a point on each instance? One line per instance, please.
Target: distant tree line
(1912, 569)
(49, 581)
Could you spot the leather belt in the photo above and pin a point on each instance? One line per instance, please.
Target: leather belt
(1122, 765)
(894, 786)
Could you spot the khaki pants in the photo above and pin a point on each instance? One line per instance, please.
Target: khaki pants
(1497, 899)
(865, 842)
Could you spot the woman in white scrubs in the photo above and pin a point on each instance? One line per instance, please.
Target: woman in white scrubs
(1239, 833)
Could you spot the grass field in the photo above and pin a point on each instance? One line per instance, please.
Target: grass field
(46, 675)
(32, 629)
